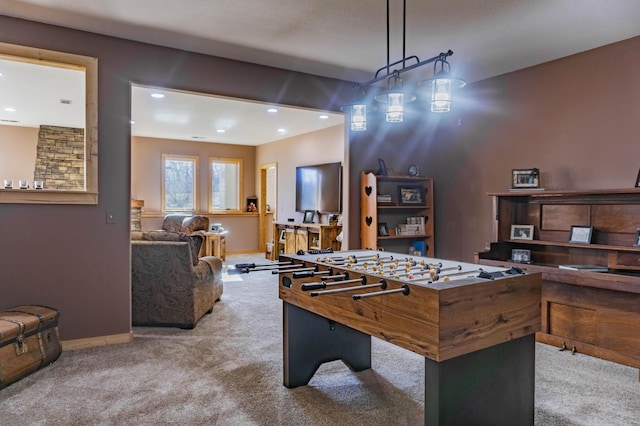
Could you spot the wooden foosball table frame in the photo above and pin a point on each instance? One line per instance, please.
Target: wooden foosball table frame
(475, 327)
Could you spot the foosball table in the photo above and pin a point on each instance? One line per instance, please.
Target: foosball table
(475, 326)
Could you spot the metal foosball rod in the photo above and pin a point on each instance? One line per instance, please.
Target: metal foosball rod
(404, 290)
(437, 277)
(324, 284)
(368, 258)
(382, 284)
(299, 269)
(245, 268)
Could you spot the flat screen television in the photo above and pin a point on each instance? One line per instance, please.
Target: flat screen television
(319, 188)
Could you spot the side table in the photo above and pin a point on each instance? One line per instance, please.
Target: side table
(216, 245)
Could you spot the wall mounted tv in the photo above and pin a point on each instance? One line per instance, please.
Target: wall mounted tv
(319, 188)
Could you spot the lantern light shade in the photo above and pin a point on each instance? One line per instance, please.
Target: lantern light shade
(359, 117)
(441, 85)
(395, 98)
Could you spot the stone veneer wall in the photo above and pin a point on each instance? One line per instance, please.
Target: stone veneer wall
(60, 158)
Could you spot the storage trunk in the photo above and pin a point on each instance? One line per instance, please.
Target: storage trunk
(29, 340)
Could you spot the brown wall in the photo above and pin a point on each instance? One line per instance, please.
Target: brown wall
(575, 118)
(82, 263)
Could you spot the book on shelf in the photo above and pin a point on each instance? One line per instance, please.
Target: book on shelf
(586, 268)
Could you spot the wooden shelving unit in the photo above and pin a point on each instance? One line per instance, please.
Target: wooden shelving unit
(596, 313)
(408, 197)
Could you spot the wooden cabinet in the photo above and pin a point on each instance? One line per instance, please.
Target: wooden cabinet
(397, 213)
(596, 313)
(292, 237)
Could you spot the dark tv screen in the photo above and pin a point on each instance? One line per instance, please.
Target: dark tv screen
(319, 188)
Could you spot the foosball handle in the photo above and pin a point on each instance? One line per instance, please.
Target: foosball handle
(312, 286)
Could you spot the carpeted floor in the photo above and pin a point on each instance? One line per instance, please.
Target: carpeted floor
(228, 371)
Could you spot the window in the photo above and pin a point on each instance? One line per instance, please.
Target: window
(179, 183)
(225, 184)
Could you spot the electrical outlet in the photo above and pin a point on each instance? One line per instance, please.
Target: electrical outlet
(110, 217)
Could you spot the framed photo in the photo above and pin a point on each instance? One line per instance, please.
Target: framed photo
(581, 234)
(638, 180)
(410, 195)
(383, 231)
(521, 232)
(525, 178)
(308, 216)
(382, 168)
(521, 256)
(637, 240)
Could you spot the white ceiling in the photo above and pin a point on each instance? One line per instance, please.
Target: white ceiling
(347, 39)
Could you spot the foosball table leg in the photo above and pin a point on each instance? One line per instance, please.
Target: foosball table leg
(492, 386)
(310, 340)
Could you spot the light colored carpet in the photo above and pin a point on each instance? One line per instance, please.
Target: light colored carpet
(228, 371)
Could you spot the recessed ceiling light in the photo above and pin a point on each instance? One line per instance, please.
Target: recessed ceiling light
(157, 95)
(272, 110)
(10, 109)
(323, 117)
(221, 131)
(281, 130)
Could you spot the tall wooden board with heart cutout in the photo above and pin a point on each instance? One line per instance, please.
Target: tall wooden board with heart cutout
(397, 214)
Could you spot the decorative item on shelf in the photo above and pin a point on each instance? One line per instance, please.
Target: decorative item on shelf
(383, 231)
(384, 199)
(23, 184)
(410, 195)
(38, 184)
(8, 184)
(637, 243)
(581, 234)
(439, 86)
(252, 204)
(521, 232)
(382, 168)
(308, 216)
(525, 179)
(413, 170)
(638, 180)
(521, 256)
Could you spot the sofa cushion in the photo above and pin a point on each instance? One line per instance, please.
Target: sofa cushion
(173, 222)
(195, 241)
(195, 223)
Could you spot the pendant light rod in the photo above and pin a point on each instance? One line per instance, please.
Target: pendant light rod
(405, 68)
(419, 63)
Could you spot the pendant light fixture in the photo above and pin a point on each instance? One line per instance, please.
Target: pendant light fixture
(395, 97)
